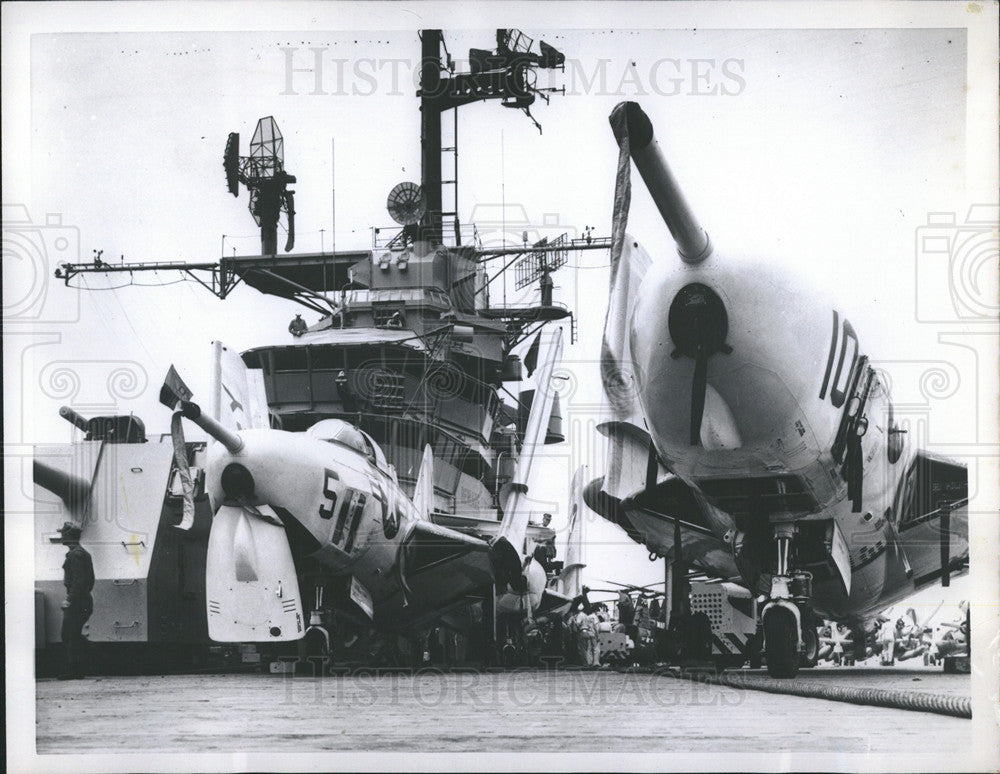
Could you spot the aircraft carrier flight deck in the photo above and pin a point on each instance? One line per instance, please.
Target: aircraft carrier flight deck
(521, 710)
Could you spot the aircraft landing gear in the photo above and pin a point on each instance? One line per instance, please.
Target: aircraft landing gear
(859, 647)
(810, 647)
(787, 625)
(756, 657)
(315, 644)
(781, 642)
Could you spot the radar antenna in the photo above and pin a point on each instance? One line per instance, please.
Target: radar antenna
(263, 174)
(407, 203)
(539, 265)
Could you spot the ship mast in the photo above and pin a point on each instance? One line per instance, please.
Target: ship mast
(505, 73)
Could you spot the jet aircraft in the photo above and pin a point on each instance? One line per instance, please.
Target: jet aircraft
(325, 503)
(755, 418)
(948, 638)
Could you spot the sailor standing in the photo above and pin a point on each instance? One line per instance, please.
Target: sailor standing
(626, 609)
(78, 577)
(887, 640)
(626, 614)
(583, 627)
(594, 643)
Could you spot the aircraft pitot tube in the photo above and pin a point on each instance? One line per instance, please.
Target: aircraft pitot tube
(632, 125)
(229, 439)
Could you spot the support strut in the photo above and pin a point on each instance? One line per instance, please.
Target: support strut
(679, 589)
(784, 544)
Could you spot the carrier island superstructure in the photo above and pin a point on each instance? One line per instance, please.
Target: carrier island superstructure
(410, 346)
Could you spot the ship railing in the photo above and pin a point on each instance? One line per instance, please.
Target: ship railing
(453, 235)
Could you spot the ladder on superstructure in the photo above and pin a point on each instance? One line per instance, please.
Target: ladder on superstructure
(451, 215)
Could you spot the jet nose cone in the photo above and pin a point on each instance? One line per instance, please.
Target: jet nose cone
(697, 321)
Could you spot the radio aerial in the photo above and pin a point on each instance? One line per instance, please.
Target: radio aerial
(406, 203)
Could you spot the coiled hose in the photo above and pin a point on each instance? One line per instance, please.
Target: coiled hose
(955, 706)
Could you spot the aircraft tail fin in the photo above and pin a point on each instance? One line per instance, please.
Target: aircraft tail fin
(507, 549)
(514, 526)
(239, 401)
(423, 493)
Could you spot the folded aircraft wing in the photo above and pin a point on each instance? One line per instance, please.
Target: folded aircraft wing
(438, 568)
(648, 518)
(430, 545)
(250, 583)
(238, 399)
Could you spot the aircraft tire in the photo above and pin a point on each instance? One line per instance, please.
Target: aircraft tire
(756, 657)
(781, 643)
(809, 657)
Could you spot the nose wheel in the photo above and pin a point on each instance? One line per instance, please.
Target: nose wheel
(781, 642)
(790, 638)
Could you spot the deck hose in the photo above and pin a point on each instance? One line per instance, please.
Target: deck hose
(918, 701)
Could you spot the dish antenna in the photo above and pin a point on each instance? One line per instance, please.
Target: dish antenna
(263, 173)
(407, 203)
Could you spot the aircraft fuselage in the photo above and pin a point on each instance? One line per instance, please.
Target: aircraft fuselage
(351, 515)
(798, 425)
(763, 402)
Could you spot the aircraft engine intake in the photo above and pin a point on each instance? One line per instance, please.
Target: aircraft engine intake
(698, 325)
(237, 482)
